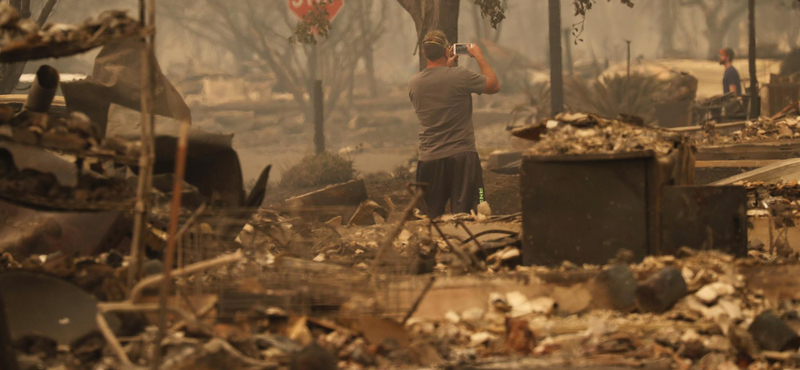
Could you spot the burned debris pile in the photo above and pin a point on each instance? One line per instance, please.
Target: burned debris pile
(701, 309)
(33, 127)
(73, 133)
(762, 129)
(22, 39)
(580, 133)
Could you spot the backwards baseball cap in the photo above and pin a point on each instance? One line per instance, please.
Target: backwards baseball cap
(436, 37)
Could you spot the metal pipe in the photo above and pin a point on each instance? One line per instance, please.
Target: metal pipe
(467, 259)
(183, 230)
(629, 59)
(145, 157)
(112, 340)
(419, 299)
(43, 90)
(169, 257)
(150, 281)
(472, 237)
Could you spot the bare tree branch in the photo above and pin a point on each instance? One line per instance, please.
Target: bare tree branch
(46, 10)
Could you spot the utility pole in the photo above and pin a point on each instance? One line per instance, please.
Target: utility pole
(556, 67)
(755, 100)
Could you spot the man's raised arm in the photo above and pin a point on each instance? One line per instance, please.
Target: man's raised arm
(492, 82)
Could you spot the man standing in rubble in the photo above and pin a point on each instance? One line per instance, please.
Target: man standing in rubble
(730, 81)
(442, 98)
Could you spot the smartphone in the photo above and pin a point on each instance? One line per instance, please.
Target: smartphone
(461, 49)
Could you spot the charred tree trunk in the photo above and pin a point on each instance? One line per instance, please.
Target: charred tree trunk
(716, 41)
(433, 15)
(369, 65)
(718, 24)
(667, 28)
(351, 90)
(556, 66)
(477, 21)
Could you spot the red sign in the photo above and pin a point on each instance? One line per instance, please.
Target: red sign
(301, 7)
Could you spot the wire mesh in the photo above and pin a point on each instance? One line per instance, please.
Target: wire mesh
(279, 272)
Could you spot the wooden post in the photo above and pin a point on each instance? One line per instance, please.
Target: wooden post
(313, 68)
(319, 117)
(755, 100)
(317, 100)
(556, 67)
(568, 47)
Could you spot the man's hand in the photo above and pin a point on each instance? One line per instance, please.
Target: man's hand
(475, 51)
(452, 58)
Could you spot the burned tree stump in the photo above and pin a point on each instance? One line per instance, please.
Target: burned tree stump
(661, 291)
(773, 334)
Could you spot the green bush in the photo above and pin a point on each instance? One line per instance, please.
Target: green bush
(319, 170)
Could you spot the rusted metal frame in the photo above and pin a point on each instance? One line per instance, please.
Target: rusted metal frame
(467, 259)
(142, 307)
(199, 211)
(112, 340)
(472, 236)
(201, 312)
(154, 280)
(422, 295)
(407, 214)
(771, 237)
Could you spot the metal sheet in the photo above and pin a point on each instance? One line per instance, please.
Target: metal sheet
(25, 231)
(714, 216)
(44, 305)
(584, 211)
(8, 358)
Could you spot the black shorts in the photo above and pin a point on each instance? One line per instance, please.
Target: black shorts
(458, 178)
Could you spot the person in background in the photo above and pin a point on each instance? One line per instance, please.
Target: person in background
(730, 81)
(442, 98)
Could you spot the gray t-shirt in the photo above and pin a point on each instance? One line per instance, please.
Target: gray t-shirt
(442, 98)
